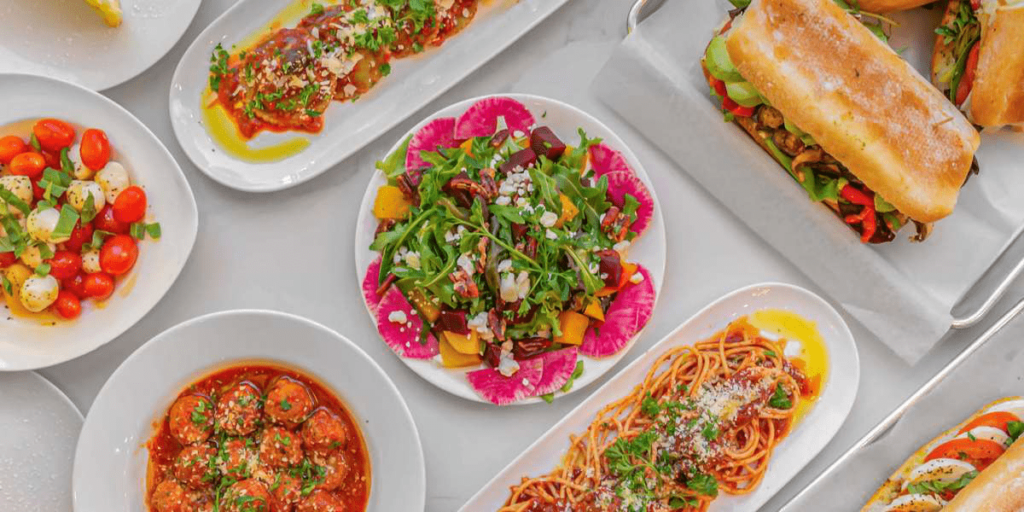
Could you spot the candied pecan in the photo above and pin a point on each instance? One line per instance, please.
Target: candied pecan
(388, 281)
(464, 284)
(529, 347)
(487, 182)
(384, 225)
(409, 184)
(497, 324)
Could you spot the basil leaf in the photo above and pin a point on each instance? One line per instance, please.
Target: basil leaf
(65, 162)
(34, 142)
(13, 200)
(1014, 429)
(43, 270)
(89, 209)
(66, 222)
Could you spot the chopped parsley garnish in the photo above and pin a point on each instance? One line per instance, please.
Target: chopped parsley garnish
(780, 400)
(285, 405)
(218, 66)
(702, 484)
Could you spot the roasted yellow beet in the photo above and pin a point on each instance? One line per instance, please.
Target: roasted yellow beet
(574, 325)
(390, 203)
(452, 358)
(464, 343)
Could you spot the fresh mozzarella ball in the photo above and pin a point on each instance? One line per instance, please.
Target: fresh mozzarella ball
(113, 178)
(41, 223)
(996, 435)
(1015, 407)
(81, 172)
(79, 191)
(91, 262)
(21, 187)
(38, 292)
(33, 257)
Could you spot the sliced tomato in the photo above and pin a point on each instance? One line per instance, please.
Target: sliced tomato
(978, 452)
(997, 419)
(967, 81)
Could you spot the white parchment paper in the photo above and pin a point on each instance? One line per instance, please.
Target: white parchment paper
(903, 292)
(995, 371)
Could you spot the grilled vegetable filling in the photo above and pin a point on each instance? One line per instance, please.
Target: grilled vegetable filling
(822, 176)
(954, 70)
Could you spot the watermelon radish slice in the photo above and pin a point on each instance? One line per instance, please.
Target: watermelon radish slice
(622, 183)
(604, 160)
(370, 285)
(481, 119)
(438, 132)
(626, 316)
(501, 390)
(403, 338)
(558, 367)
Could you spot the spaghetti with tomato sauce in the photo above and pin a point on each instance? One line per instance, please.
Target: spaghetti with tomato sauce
(705, 420)
(257, 438)
(286, 81)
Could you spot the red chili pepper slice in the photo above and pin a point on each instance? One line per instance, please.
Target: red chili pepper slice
(718, 86)
(867, 217)
(736, 108)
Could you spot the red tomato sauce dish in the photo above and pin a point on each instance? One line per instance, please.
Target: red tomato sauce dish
(257, 438)
(288, 78)
(71, 220)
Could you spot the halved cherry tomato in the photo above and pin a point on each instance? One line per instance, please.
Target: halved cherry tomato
(67, 305)
(10, 147)
(718, 86)
(37, 191)
(29, 164)
(7, 259)
(80, 236)
(76, 285)
(736, 108)
(118, 255)
(65, 264)
(95, 149)
(130, 205)
(53, 134)
(105, 221)
(98, 286)
(967, 81)
(52, 159)
(997, 419)
(978, 452)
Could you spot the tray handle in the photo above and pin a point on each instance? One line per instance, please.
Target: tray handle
(640, 10)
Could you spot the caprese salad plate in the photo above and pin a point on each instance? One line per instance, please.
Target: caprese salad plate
(96, 221)
(253, 411)
(65, 39)
(274, 93)
(510, 248)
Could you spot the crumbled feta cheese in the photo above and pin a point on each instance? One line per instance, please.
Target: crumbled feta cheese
(503, 200)
(398, 317)
(622, 246)
(548, 219)
(505, 266)
(507, 366)
(412, 258)
(522, 284)
(636, 278)
(465, 262)
(551, 235)
(508, 289)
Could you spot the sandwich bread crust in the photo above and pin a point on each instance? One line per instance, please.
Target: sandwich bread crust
(998, 95)
(859, 100)
(1000, 488)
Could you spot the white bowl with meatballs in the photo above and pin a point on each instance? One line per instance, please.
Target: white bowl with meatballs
(253, 411)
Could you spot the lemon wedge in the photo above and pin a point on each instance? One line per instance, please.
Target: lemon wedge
(109, 9)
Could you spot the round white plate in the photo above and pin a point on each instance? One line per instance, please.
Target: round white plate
(110, 463)
(40, 426)
(26, 343)
(65, 39)
(564, 119)
(349, 126)
(808, 437)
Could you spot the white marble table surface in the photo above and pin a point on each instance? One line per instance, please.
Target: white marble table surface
(250, 246)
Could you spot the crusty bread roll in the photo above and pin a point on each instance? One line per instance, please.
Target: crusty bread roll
(997, 98)
(860, 101)
(1000, 488)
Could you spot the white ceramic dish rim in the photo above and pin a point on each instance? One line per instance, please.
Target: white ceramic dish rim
(186, 128)
(453, 381)
(179, 244)
(418, 467)
(510, 474)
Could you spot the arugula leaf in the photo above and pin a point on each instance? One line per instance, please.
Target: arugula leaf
(572, 378)
(394, 164)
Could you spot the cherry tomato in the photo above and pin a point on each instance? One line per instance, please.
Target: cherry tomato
(37, 191)
(105, 221)
(118, 255)
(52, 159)
(80, 236)
(130, 205)
(736, 108)
(7, 259)
(10, 147)
(967, 81)
(76, 285)
(98, 286)
(998, 419)
(95, 149)
(53, 134)
(67, 305)
(65, 264)
(976, 4)
(978, 452)
(29, 164)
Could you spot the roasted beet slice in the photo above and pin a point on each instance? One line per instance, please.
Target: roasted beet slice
(519, 231)
(492, 354)
(610, 267)
(453, 321)
(529, 347)
(522, 159)
(499, 138)
(543, 141)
